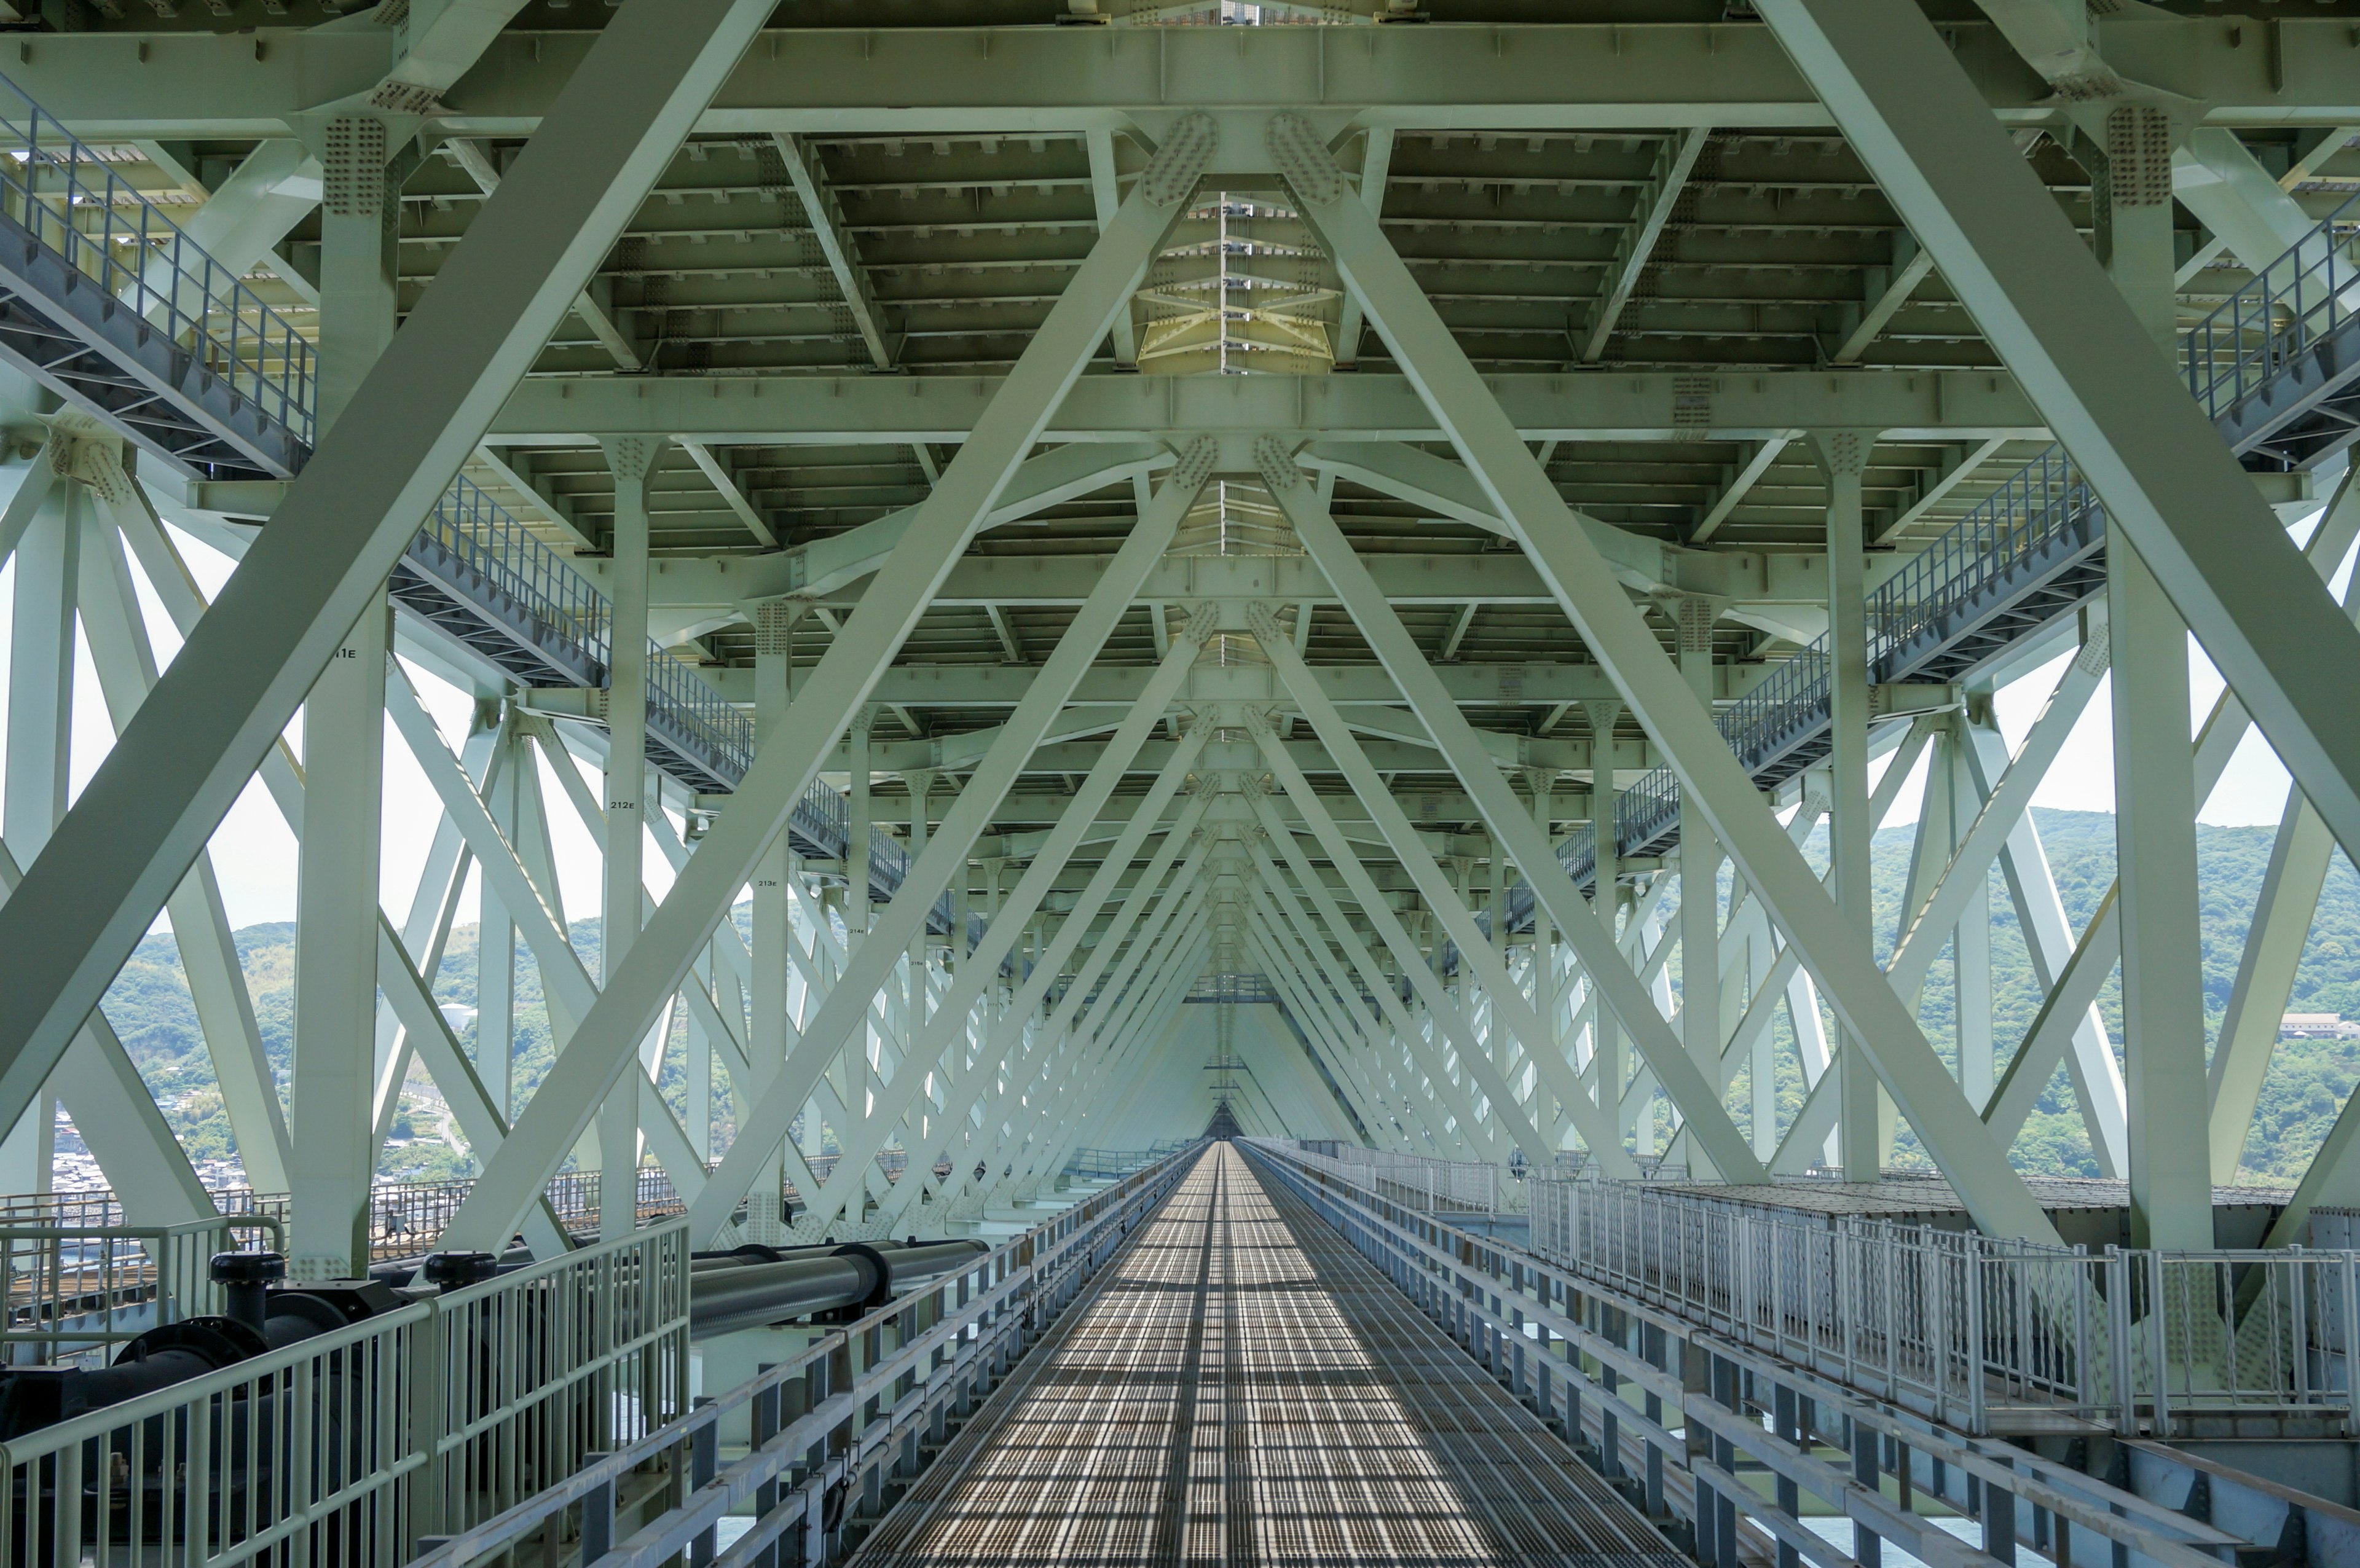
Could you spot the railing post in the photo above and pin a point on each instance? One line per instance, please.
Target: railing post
(597, 1517)
(2349, 1327)
(430, 1422)
(1976, 1423)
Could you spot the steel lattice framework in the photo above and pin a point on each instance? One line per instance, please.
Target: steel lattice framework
(1337, 519)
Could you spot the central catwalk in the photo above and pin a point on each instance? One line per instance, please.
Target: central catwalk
(1243, 1388)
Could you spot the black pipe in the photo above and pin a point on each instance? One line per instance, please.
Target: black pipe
(259, 1319)
(736, 1292)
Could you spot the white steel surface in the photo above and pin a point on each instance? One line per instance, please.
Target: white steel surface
(805, 379)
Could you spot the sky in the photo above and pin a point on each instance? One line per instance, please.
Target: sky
(254, 853)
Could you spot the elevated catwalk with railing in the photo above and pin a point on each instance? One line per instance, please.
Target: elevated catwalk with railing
(108, 304)
(2276, 367)
(1258, 1351)
(1239, 1387)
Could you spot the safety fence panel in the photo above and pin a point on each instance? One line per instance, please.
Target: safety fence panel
(1973, 1331)
(1676, 1412)
(831, 1426)
(64, 195)
(345, 1447)
(77, 1291)
(1434, 1186)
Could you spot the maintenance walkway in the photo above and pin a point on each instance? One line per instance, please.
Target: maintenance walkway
(1242, 1386)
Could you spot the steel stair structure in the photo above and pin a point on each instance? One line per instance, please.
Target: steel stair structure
(106, 303)
(2276, 365)
(178, 356)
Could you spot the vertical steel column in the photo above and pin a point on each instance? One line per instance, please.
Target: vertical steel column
(771, 1036)
(1863, 1117)
(495, 936)
(1700, 1008)
(860, 831)
(41, 745)
(1970, 949)
(332, 1130)
(631, 459)
(1606, 1036)
(2155, 777)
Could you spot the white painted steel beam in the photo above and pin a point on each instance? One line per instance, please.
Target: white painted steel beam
(1033, 80)
(1637, 247)
(764, 1123)
(1695, 1097)
(784, 768)
(834, 235)
(220, 705)
(948, 1027)
(2167, 483)
(1444, 1007)
(1621, 640)
(1483, 1135)
(1600, 405)
(593, 304)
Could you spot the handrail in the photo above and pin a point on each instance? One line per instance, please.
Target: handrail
(2258, 331)
(1643, 1392)
(2227, 356)
(811, 1440)
(409, 1424)
(67, 197)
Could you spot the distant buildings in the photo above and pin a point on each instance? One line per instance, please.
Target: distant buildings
(2317, 1026)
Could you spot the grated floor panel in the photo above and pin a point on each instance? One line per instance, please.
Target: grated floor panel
(1243, 1388)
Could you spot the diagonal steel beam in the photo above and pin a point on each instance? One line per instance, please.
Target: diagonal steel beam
(1889, 287)
(1449, 1017)
(2080, 969)
(2074, 342)
(115, 1112)
(1696, 1099)
(1155, 961)
(1739, 482)
(733, 494)
(1376, 167)
(125, 664)
(950, 1021)
(1481, 1135)
(1006, 1034)
(834, 235)
(1619, 639)
(1970, 865)
(937, 534)
(345, 521)
(1276, 895)
(597, 313)
(764, 1123)
(1675, 161)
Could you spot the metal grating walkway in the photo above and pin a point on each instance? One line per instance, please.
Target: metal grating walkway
(1243, 1388)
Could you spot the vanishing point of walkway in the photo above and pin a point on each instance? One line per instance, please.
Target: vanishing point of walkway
(1243, 1388)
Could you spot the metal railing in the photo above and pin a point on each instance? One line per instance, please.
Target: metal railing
(2278, 315)
(1429, 1186)
(827, 1429)
(1112, 1164)
(79, 1290)
(558, 607)
(1973, 1332)
(348, 1447)
(2254, 338)
(67, 199)
(1673, 1412)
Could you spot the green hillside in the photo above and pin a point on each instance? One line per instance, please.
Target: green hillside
(2308, 1079)
(149, 1008)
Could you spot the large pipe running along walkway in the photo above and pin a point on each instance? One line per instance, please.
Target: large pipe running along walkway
(1242, 1387)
